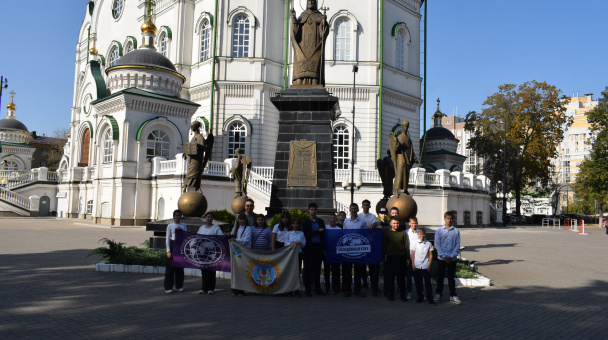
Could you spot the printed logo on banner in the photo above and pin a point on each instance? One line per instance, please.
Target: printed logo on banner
(264, 275)
(353, 246)
(202, 251)
(236, 250)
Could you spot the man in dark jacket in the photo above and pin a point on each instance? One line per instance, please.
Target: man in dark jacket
(313, 229)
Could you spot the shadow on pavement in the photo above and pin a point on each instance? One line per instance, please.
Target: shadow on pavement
(59, 295)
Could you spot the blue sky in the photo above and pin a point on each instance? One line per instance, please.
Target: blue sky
(473, 47)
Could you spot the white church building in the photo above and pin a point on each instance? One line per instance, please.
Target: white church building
(140, 81)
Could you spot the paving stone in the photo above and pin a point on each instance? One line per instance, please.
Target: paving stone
(546, 284)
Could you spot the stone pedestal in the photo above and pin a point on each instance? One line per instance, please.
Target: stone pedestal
(305, 116)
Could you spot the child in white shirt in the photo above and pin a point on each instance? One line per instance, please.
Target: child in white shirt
(422, 256)
(296, 236)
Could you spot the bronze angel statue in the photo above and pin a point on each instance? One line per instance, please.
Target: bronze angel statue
(240, 172)
(199, 151)
(403, 156)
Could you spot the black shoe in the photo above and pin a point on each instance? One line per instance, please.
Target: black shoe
(375, 293)
(308, 293)
(419, 300)
(403, 297)
(319, 292)
(391, 297)
(365, 287)
(360, 294)
(347, 293)
(385, 293)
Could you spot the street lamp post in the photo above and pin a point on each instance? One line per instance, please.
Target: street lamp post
(354, 132)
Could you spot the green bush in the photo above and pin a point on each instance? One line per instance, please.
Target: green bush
(117, 253)
(224, 216)
(295, 213)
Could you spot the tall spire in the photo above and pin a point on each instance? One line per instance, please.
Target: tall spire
(11, 107)
(148, 29)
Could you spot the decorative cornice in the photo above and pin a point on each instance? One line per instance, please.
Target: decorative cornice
(402, 100)
(200, 92)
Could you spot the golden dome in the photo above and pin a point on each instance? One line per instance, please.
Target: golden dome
(11, 105)
(93, 51)
(148, 26)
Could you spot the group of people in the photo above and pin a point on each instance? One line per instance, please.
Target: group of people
(407, 254)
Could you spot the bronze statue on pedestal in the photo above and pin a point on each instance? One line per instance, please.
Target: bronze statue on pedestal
(240, 172)
(308, 35)
(403, 156)
(199, 150)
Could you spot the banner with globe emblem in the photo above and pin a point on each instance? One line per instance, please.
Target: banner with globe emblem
(209, 252)
(353, 246)
(270, 272)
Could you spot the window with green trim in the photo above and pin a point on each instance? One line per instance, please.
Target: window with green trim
(205, 40)
(108, 147)
(240, 37)
(113, 57)
(158, 144)
(129, 47)
(236, 138)
(400, 50)
(163, 43)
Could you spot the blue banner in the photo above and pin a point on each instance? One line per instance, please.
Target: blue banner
(353, 246)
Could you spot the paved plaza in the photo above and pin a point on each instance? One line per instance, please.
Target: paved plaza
(546, 284)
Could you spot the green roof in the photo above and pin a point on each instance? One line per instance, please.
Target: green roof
(21, 145)
(444, 152)
(138, 92)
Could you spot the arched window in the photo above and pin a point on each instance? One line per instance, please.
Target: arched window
(108, 150)
(117, 7)
(11, 166)
(400, 50)
(158, 144)
(128, 47)
(479, 217)
(240, 37)
(236, 138)
(84, 150)
(113, 57)
(341, 147)
(205, 40)
(467, 218)
(342, 47)
(163, 44)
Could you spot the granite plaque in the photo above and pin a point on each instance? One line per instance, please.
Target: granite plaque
(302, 171)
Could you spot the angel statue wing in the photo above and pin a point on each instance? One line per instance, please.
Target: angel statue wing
(208, 148)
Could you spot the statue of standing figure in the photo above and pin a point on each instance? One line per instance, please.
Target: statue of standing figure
(240, 172)
(308, 35)
(403, 156)
(199, 150)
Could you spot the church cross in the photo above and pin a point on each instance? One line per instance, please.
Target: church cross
(12, 93)
(149, 4)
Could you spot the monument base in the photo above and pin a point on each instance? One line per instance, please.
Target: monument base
(305, 116)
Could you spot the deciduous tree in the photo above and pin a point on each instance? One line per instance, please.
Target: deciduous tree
(526, 122)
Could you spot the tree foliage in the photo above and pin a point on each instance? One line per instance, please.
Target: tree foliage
(528, 122)
(592, 179)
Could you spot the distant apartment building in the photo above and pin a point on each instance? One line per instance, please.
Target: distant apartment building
(456, 125)
(577, 142)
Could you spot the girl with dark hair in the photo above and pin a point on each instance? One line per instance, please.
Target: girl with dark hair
(280, 230)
